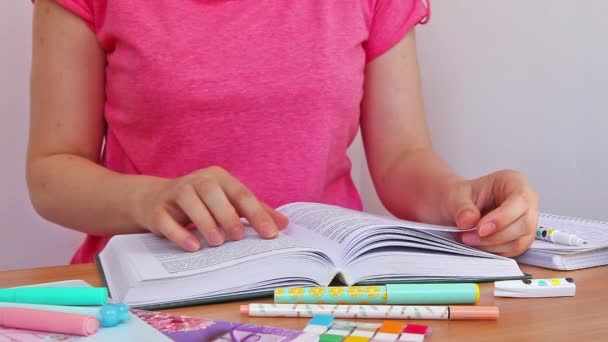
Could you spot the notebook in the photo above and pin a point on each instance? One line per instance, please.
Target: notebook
(561, 257)
(182, 328)
(322, 243)
(135, 329)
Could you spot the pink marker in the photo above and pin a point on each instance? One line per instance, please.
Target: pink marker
(46, 320)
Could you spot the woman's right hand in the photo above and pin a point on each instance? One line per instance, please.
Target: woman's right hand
(212, 200)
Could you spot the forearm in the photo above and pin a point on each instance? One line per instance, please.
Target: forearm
(415, 184)
(77, 193)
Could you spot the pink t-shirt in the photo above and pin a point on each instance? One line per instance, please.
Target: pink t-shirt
(269, 90)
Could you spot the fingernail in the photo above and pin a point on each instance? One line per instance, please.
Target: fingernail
(487, 229)
(236, 233)
(215, 238)
(471, 238)
(268, 230)
(192, 244)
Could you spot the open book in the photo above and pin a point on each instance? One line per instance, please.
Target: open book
(562, 257)
(322, 242)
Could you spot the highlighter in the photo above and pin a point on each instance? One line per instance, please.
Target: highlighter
(460, 293)
(55, 295)
(400, 312)
(49, 321)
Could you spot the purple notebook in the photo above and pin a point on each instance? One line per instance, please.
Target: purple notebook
(195, 329)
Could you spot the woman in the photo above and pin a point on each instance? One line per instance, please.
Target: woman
(154, 115)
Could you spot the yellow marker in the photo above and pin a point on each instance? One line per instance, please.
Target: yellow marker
(355, 291)
(458, 293)
(372, 291)
(317, 291)
(555, 281)
(336, 291)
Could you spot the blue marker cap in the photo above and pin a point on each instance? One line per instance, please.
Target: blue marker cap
(463, 293)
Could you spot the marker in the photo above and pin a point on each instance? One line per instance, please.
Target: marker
(462, 293)
(440, 312)
(49, 321)
(55, 295)
(535, 288)
(555, 236)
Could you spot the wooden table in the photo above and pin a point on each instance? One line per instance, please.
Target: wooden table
(580, 318)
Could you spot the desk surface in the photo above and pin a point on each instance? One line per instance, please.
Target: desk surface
(583, 317)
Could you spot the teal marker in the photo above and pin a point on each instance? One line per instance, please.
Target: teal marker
(56, 295)
(399, 294)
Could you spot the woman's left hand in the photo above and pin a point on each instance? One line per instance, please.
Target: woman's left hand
(503, 208)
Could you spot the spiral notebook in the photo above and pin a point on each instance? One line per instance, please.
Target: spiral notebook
(561, 257)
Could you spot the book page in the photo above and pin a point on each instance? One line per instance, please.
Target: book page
(400, 240)
(174, 259)
(341, 225)
(158, 257)
(347, 235)
(326, 228)
(394, 266)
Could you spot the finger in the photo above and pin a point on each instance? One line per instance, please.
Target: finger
(249, 207)
(188, 200)
(166, 225)
(514, 206)
(461, 208)
(510, 249)
(467, 217)
(514, 231)
(214, 198)
(281, 220)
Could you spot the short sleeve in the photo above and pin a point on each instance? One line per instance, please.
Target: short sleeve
(390, 21)
(81, 8)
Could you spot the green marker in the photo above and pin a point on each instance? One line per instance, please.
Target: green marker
(461, 293)
(56, 295)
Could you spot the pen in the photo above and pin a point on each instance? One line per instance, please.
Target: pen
(555, 236)
(49, 321)
(442, 312)
(460, 293)
(55, 295)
